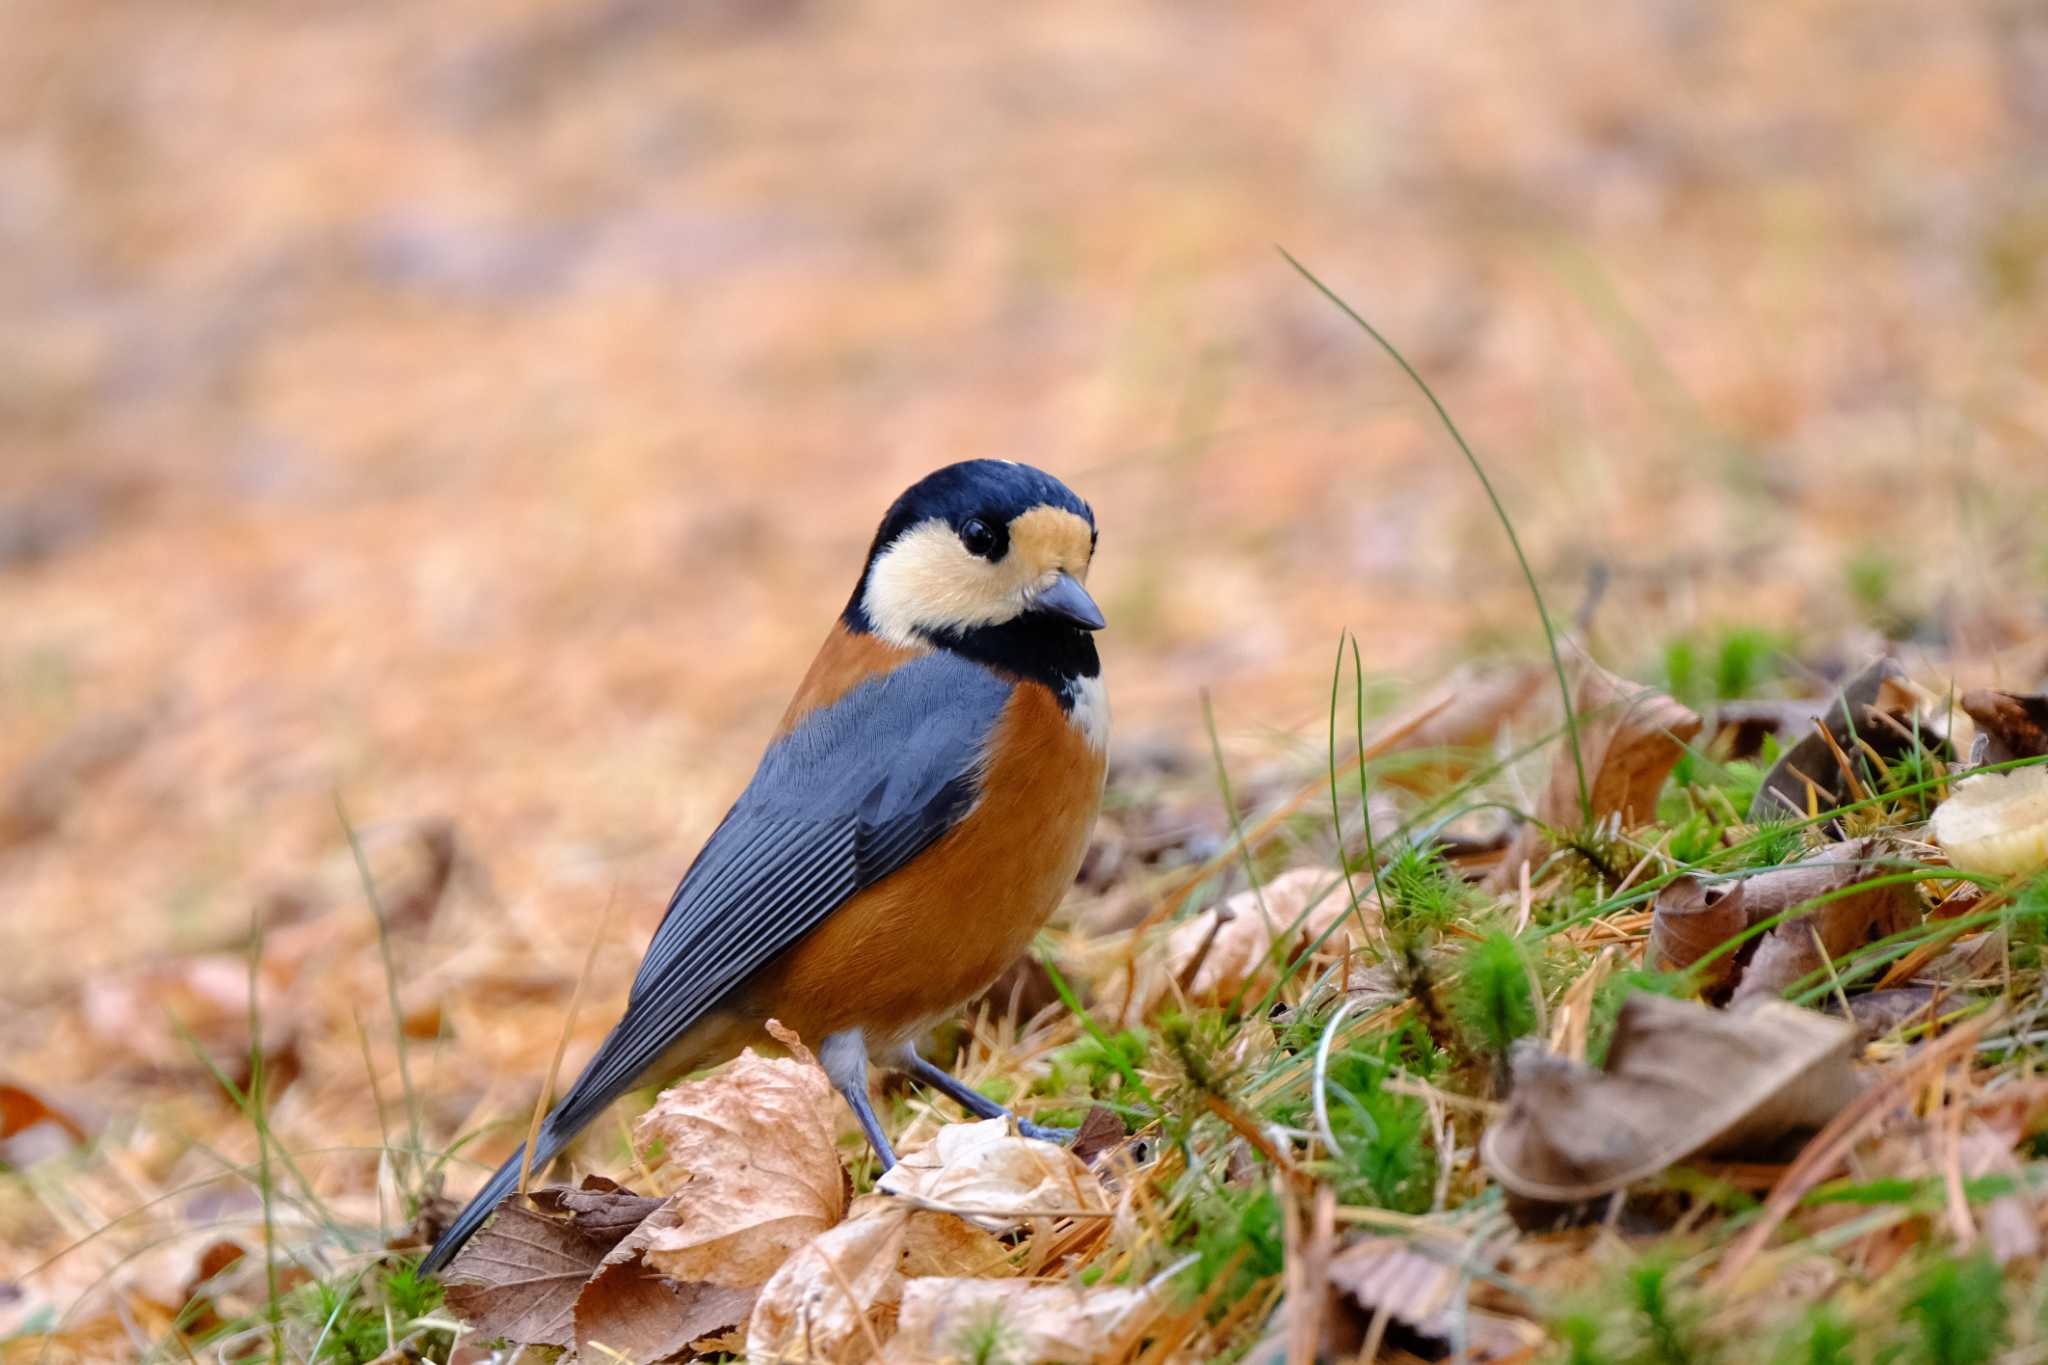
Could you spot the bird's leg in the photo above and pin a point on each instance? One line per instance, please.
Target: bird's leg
(844, 1055)
(972, 1100)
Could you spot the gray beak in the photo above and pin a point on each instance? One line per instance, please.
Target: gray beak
(1067, 599)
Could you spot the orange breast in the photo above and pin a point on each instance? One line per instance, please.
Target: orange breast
(913, 947)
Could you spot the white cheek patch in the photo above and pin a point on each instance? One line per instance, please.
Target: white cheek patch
(1090, 713)
(926, 580)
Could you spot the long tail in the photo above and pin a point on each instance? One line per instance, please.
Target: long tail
(479, 1209)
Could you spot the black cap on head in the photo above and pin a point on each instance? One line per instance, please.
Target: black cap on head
(995, 491)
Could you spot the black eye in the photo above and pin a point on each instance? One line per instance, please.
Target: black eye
(978, 538)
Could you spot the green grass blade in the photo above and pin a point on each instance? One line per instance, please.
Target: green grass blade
(1500, 511)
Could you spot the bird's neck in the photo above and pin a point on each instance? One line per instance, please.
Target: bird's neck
(1036, 648)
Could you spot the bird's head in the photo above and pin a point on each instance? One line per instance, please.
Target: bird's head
(978, 546)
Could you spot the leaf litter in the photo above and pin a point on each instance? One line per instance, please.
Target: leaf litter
(1692, 1025)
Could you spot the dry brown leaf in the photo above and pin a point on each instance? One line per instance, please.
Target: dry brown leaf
(1693, 917)
(946, 1244)
(1630, 737)
(942, 1319)
(1420, 1286)
(1404, 1279)
(22, 1109)
(1738, 728)
(987, 1172)
(1809, 771)
(750, 1153)
(1877, 1013)
(519, 1278)
(828, 1300)
(628, 1311)
(1680, 1080)
(1805, 944)
(600, 1206)
(1101, 1131)
(1461, 715)
(1210, 957)
(2009, 726)
(154, 1015)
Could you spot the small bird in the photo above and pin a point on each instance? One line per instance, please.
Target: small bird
(922, 808)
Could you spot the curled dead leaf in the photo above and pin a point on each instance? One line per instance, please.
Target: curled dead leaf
(1630, 737)
(1996, 824)
(1739, 728)
(1680, 1080)
(1423, 1286)
(828, 1300)
(2009, 726)
(989, 1174)
(1690, 919)
(941, 1320)
(946, 1244)
(1852, 905)
(1239, 946)
(1877, 707)
(750, 1152)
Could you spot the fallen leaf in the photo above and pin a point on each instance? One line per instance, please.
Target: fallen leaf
(1457, 720)
(947, 1320)
(1996, 824)
(946, 1244)
(629, 1311)
(1100, 1131)
(988, 1173)
(1236, 948)
(1690, 919)
(826, 1301)
(1739, 728)
(156, 1014)
(1832, 928)
(22, 1109)
(1808, 778)
(1681, 1080)
(520, 1276)
(1424, 1287)
(1630, 737)
(601, 1206)
(2009, 726)
(1878, 1013)
(751, 1153)
(1403, 1279)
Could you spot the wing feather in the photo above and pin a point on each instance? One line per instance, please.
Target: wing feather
(859, 790)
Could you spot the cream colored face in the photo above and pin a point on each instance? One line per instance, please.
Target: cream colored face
(927, 581)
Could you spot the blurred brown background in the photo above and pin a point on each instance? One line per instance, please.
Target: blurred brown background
(479, 409)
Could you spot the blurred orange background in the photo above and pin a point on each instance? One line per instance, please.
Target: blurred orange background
(478, 410)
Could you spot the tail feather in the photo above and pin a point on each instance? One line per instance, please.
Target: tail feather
(480, 1208)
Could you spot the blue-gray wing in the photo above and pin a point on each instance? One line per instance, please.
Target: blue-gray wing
(857, 791)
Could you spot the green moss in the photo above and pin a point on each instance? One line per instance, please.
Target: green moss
(1958, 1308)
(1494, 1002)
(1237, 1238)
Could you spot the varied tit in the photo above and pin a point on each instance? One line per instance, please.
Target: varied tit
(924, 805)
